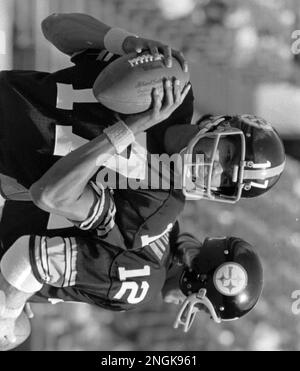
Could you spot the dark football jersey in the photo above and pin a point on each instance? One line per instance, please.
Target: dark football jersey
(44, 116)
(96, 272)
(21, 218)
(79, 266)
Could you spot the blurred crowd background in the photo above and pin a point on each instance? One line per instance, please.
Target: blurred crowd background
(241, 61)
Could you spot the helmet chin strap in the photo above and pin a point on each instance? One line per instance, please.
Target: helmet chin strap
(189, 310)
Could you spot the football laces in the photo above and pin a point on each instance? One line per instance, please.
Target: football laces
(145, 58)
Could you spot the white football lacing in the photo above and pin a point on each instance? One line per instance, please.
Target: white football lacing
(145, 58)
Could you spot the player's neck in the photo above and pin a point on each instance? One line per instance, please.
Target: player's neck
(177, 137)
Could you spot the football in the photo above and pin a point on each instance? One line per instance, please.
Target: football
(126, 84)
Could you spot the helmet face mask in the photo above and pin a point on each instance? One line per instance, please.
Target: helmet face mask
(225, 279)
(204, 168)
(257, 166)
(191, 306)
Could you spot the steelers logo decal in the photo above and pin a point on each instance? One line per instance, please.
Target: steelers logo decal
(230, 279)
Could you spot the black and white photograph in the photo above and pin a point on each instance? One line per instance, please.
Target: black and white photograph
(149, 178)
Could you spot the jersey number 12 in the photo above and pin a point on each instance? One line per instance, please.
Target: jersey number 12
(132, 286)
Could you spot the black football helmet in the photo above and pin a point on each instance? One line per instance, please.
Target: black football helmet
(225, 279)
(261, 158)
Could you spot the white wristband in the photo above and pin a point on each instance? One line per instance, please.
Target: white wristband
(16, 267)
(120, 136)
(114, 40)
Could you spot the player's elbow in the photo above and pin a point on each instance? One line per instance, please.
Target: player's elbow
(50, 24)
(51, 199)
(39, 196)
(56, 29)
(43, 197)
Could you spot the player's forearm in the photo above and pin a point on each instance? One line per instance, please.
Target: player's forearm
(66, 180)
(72, 32)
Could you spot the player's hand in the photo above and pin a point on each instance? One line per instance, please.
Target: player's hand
(138, 44)
(161, 108)
(28, 311)
(7, 331)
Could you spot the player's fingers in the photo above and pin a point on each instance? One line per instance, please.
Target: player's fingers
(167, 50)
(168, 98)
(185, 91)
(177, 93)
(139, 46)
(29, 311)
(181, 59)
(154, 51)
(157, 103)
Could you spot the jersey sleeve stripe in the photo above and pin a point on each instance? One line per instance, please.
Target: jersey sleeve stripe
(88, 223)
(99, 189)
(39, 261)
(109, 221)
(44, 260)
(101, 55)
(108, 57)
(73, 275)
(78, 53)
(102, 232)
(166, 238)
(56, 260)
(98, 209)
(161, 245)
(97, 213)
(156, 251)
(111, 213)
(68, 257)
(103, 213)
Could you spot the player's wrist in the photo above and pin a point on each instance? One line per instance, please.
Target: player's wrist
(136, 124)
(120, 136)
(116, 39)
